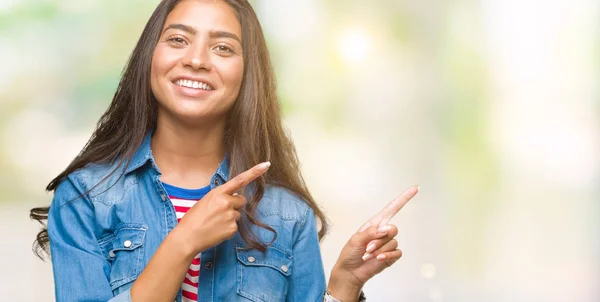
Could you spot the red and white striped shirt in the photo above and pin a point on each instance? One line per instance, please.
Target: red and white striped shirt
(183, 200)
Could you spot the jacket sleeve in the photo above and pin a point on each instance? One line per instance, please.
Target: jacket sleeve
(308, 279)
(81, 271)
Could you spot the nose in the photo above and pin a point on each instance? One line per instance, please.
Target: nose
(198, 57)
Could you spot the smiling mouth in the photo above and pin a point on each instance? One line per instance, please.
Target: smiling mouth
(193, 85)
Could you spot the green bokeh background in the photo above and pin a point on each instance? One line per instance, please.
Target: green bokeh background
(491, 106)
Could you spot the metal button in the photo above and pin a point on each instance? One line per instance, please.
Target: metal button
(216, 182)
(163, 196)
(208, 265)
(284, 268)
(111, 254)
(127, 243)
(251, 259)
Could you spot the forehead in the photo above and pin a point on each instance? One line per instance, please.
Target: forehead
(205, 15)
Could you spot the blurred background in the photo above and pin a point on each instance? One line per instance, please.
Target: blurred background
(492, 107)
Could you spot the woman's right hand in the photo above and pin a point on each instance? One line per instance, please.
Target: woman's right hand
(209, 222)
(213, 219)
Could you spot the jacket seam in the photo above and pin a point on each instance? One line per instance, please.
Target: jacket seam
(304, 218)
(77, 186)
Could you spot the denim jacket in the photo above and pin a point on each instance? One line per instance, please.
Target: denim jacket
(101, 242)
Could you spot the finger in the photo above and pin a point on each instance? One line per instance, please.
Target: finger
(377, 243)
(376, 247)
(364, 226)
(385, 215)
(387, 247)
(244, 178)
(237, 215)
(395, 205)
(390, 257)
(237, 201)
(360, 240)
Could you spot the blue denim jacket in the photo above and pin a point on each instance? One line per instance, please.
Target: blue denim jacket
(101, 242)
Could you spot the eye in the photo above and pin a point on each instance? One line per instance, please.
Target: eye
(223, 48)
(176, 39)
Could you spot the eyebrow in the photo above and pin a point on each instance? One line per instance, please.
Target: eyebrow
(224, 34)
(212, 34)
(183, 27)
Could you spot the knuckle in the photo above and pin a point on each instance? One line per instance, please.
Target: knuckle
(223, 204)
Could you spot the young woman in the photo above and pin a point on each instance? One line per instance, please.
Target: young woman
(189, 188)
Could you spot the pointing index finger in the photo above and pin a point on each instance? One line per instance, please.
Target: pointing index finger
(244, 178)
(396, 205)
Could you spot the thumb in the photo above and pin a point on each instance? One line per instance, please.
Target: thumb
(361, 239)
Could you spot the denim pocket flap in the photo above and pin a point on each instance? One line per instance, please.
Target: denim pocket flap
(126, 238)
(274, 258)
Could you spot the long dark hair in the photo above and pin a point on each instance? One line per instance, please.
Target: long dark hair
(254, 130)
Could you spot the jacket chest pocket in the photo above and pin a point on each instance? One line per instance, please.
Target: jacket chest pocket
(123, 249)
(263, 277)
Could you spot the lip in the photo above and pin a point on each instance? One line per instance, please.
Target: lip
(192, 92)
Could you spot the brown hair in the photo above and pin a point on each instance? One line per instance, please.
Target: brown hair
(254, 130)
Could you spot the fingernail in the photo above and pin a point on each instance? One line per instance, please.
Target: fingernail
(371, 247)
(265, 165)
(384, 229)
(381, 257)
(367, 256)
(235, 194)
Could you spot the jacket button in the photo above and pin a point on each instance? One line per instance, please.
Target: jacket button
(127, 243)
(163, 196)
(216, 182)
(111, 254)
(251, 259)
(284, 268)
(208, 265)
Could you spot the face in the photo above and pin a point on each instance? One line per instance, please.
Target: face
(197, 66)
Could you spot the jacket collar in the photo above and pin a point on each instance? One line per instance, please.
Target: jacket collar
(143, 155)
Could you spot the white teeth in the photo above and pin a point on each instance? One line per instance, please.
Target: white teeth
(193, 84)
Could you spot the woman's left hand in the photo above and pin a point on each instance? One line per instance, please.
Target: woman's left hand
(368, 252)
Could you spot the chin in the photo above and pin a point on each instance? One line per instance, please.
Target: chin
(193, 111)
(196, 116)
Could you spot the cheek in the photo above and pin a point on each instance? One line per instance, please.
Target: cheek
(155, 69)
(157, 63)
(234, 74)
(163, 60)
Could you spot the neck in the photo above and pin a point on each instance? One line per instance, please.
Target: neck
(188, 157)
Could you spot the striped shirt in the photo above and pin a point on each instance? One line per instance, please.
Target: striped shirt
(183, 200)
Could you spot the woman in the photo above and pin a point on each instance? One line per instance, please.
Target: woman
(150, 210)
